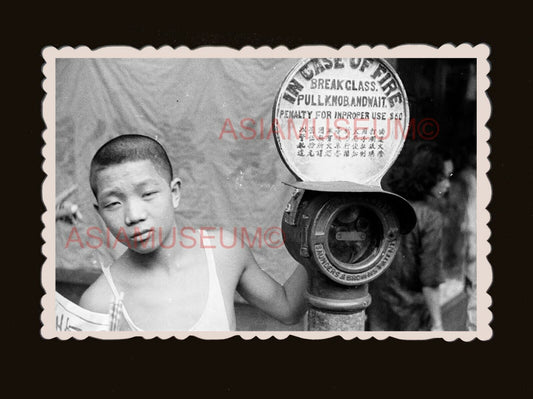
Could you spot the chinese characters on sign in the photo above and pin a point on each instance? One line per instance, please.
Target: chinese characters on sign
(341, 119)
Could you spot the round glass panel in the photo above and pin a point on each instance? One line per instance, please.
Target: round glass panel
(355, 234)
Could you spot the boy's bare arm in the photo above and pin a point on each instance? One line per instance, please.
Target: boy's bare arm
(284, 302)
(97, 298)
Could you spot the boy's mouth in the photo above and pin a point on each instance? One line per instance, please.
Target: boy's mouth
(142, 235)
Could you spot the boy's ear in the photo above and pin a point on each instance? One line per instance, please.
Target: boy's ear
(175, 188)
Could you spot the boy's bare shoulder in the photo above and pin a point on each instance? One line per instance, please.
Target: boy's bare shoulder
(98, 296)
(231, 251)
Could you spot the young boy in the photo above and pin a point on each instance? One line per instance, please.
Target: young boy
(165, 285)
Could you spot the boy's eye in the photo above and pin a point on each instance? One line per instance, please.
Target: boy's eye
(149, 194)
(111, 205)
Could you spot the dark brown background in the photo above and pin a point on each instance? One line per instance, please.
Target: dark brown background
(291, 365)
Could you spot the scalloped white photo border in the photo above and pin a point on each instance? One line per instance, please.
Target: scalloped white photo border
(484, 192)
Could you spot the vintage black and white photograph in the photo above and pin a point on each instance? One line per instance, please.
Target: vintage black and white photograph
(311, 192)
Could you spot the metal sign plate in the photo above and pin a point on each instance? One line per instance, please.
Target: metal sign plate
(341, 119)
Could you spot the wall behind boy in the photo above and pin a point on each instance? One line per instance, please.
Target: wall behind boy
(191, 107)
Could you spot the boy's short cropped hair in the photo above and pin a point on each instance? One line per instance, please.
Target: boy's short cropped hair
(129, 148)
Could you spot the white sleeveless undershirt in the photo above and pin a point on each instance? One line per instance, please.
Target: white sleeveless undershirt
(213, 318)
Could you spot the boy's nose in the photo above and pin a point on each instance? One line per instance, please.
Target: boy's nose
(135, 213)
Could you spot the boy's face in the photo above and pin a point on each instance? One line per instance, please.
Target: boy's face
(132, 199)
